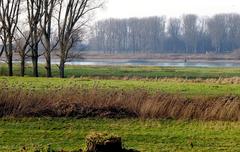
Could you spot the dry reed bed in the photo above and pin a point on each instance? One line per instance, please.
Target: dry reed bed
(95, 102)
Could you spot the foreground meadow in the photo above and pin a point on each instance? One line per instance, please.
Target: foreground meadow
(152, 109)
(146, 136)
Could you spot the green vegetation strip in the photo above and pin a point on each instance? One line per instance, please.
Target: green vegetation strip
(148, 136)
(129, 71)
(171, 86)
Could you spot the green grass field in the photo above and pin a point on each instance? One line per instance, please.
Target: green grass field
(146, 136)
(169, 86)
(128, 71)
(150, 135)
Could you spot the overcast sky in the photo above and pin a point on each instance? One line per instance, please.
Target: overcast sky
(143, 8)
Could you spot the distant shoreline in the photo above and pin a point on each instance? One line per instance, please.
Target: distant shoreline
(97, 57)
(157, 56)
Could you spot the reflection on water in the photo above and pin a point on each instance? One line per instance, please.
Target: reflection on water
(159, 63)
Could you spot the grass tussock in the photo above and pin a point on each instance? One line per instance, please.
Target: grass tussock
(82, 103)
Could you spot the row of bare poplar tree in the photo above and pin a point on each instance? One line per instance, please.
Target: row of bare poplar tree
(54, 24)
(186, 34)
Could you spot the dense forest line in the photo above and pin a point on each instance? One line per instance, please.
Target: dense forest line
(187, 34)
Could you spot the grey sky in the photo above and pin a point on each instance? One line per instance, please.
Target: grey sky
(142, 8)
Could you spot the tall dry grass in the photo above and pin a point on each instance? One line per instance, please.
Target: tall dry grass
(73, 102)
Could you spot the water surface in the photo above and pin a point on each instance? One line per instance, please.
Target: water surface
(166, 63)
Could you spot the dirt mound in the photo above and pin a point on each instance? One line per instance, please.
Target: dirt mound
(102, 142)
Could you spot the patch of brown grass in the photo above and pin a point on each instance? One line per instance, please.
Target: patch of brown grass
(232, 80)
(96, 102)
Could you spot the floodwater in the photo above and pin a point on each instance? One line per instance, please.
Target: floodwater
(157, 63)
(161, 63)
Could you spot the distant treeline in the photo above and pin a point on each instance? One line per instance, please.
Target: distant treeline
(188, 34)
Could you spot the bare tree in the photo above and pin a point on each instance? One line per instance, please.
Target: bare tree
(233, 32)
(190, 32)
(22, 48)
(72, 18)
(217, 30)
(2, 47)
(35, 13)
(203, 36)
(46, 26)
(1, 51)
(174, 31)
(9, 15)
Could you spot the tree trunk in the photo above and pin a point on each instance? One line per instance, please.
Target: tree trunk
(22, 66)
(10, 67)
(48, 65)
(10, 59)
(35, 66)
(35, 60)
(62, 68)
